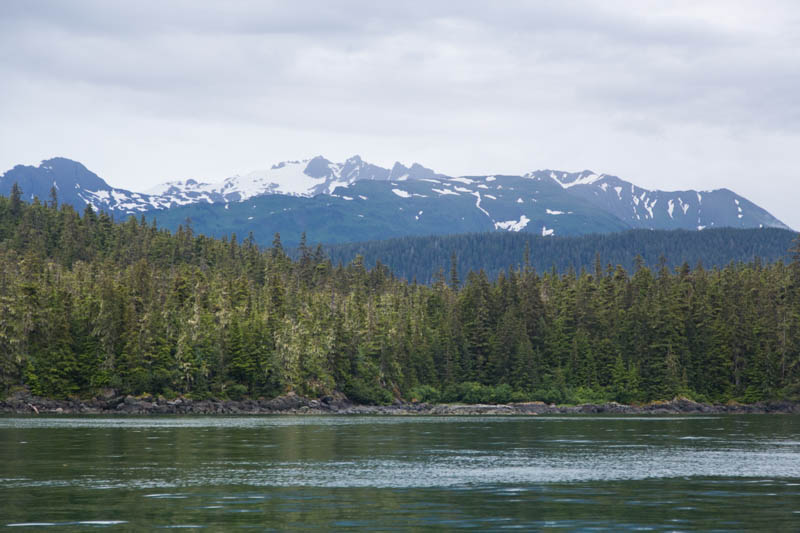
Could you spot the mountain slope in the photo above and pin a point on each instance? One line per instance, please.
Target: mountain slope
(642, 208)
(359, 201)
(78, 186)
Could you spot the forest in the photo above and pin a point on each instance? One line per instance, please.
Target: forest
(420, 257)
(87, 305)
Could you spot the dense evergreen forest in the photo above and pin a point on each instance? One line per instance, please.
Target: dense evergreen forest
(87, 305)
(420, 257)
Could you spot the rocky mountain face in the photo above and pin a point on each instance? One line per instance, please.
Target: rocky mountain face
(78, 186)
(356, 200)
(642, 208)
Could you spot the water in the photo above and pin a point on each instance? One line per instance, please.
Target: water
(715, 473)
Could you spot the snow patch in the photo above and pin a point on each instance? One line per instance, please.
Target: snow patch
(490, 178)
(286, 178)
(547, 232)
(333, 185)
(519, 201)
(490, 196)
(401, 193)
(478, 204)
(650, 207)
(670, 208)
(465, 181)
(100, 194)
(586, 180)
(554, 212)
(619, 192)
(445, 191)
(513, 225)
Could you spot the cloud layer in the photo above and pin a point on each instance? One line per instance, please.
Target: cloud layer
(668, 95)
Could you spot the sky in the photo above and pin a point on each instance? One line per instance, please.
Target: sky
(668, 95)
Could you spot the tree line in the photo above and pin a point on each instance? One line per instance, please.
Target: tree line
(87, 304)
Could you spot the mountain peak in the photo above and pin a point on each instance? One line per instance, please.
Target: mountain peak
(59, 171)
(63, 164)
(417, 172)
(283, 164)
(318, 167)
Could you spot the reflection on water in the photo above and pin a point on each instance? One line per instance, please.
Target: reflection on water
(274, 473)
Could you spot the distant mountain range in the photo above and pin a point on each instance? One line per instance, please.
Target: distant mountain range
(358, 201)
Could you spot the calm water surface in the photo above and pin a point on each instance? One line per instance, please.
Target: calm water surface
(716, 473)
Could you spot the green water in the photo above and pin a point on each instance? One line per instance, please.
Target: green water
(715, 473)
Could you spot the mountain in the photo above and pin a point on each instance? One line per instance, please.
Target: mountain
(306, 178)
(642, 208)
(359, 201)
(78, 186)
(355, 201)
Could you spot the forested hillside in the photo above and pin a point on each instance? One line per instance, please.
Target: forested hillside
(421, 257)
(86, 304)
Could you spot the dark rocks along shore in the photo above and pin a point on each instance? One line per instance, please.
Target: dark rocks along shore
(292, 404)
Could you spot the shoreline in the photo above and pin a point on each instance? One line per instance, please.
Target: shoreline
(292, 404)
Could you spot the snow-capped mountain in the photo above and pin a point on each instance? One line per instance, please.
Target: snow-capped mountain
(71, 180)
(308, 177)
(643, 208)
(356, 200)
(78, 186)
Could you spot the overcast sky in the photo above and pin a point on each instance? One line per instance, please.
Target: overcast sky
(668, 95)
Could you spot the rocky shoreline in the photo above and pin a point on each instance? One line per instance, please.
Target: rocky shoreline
(292, 404)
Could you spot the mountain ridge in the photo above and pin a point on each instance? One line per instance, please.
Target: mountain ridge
(316, 195)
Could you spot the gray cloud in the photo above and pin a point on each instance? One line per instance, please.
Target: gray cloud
(668, 95)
